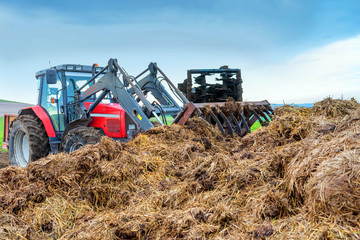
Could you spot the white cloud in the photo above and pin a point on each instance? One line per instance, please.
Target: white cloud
(331, 70)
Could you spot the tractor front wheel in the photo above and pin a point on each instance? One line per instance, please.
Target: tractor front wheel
(28, 140)
(79, 137)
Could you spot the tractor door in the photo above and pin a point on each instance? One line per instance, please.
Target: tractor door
(75, 80)
(51, 98)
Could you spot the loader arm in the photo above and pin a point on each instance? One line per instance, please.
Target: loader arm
(131, 94)
(151, 83)
(111, 83)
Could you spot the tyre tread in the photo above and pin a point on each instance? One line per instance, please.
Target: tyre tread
(38, 139)
(89, 135)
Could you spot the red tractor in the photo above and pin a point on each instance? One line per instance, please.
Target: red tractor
(79, 104)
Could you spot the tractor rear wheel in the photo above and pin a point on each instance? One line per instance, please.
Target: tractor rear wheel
(79, 137)
(28, 140)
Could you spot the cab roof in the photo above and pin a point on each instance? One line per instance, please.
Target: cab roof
(71, 68)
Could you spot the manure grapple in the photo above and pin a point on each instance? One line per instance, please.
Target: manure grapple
(78, 104)
(221, 104)
(231, 118)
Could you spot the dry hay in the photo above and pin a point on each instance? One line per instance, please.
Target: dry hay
(334, 107)
(298, 178)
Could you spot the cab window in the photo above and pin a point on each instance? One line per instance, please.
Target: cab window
(75, 80)
(51, 100)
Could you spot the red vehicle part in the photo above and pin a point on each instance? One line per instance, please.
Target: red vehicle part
(41, 114)
(110, 117)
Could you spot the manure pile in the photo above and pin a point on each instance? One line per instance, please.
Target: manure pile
(298, 178)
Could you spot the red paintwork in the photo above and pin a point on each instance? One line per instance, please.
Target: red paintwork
(101, 122)
(97, 122)
(44, 117)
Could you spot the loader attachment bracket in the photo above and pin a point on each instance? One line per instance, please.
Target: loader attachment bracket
(186, 112)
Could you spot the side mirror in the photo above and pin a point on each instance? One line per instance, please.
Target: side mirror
(51, 77)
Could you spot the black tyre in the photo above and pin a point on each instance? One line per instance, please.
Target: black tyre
(79, 137)
(28, 140)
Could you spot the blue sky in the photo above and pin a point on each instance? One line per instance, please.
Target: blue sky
(288, 51)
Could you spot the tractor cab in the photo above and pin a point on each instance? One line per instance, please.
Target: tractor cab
(57, 92)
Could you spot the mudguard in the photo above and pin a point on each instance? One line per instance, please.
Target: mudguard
(43, 116)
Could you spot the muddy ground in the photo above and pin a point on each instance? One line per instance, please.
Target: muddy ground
(4, 159)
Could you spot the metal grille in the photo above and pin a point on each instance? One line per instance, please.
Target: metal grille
(113, 125)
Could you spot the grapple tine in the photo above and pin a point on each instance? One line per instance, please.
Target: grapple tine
(262, 117)
(257, 117)
(245, 129)
(227, 125)
(269, 109)
(253, 117)
(236, 123)
(266, 113)
(218, 123)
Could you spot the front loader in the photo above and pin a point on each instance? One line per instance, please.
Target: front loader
(229, 116)
(79, 104)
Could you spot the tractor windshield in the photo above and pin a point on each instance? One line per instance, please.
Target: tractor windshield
(74, 81)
